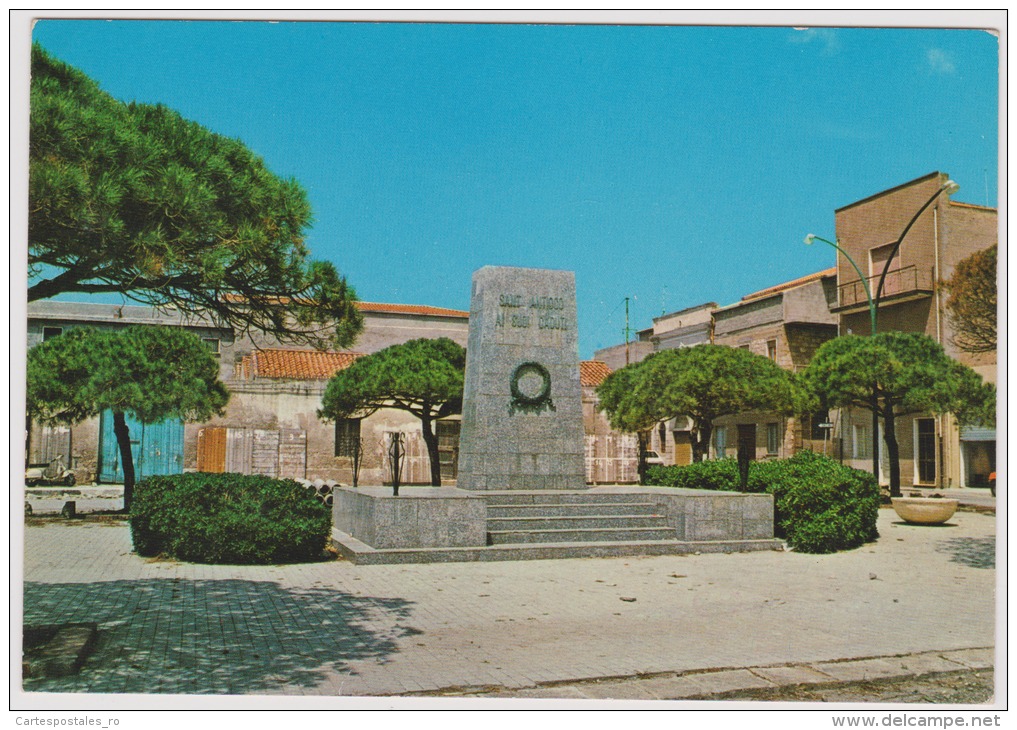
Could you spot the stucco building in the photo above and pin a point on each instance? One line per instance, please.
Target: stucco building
(687, 327)
(271, 425)
(785, 323)
(788, 323)
(934, 450)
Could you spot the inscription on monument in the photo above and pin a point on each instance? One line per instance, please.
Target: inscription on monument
(548, 315)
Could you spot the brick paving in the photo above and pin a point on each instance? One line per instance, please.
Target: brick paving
(333, 628)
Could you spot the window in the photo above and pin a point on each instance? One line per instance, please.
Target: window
(347, 436)
(861, 443)
(879, 255)
(771, 349)
(212, 343)
(772, 438)
(878, 258)
(48, 333)
(720, 441)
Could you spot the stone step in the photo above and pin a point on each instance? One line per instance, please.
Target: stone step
(522, 497)
(574, 522)
(597, 534)
(360, 554)
(573, 509)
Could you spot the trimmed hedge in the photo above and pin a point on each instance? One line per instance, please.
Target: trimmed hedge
(820, 505)
(719, 474)
(228, 519)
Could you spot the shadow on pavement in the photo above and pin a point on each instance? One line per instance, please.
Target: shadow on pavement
(216, 636)
(977, 552)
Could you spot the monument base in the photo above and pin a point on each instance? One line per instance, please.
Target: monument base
(428, 525)
(420, 517)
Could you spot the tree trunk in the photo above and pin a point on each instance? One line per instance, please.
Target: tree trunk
(641, 463)
(701, 442)
(892, 451)
(123, 435)
(431, 441)
(874, 407)
(744, 458)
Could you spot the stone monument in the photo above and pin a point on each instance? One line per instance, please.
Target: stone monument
(522, 491)
(522, 424)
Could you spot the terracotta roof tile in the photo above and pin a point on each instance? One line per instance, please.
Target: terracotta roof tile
(379, 307)
(593, 372)
(790, 284)
(410, 309)
(959, 204)
(294, 364)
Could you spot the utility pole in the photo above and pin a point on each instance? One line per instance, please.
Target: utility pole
(626, 330)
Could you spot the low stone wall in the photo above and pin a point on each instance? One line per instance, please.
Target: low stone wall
(109, 491)
(701, 515)
(51, 500)
(420, 517)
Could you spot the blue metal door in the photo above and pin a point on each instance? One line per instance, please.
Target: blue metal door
(157, 448)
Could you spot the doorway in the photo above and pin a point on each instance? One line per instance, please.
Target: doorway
(747, 439)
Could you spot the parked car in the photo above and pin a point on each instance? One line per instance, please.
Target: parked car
(652, 458)
(992, 483)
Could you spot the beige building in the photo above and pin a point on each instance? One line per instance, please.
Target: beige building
(934, 451)
(670, 440)
(271, 425)
(789, 322)
(786, 323)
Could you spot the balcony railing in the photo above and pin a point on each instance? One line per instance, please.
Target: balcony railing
(907, 281)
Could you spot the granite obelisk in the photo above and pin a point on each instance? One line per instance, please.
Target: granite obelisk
(522, 422)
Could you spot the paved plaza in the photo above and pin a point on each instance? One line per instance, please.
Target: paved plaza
(333, 628)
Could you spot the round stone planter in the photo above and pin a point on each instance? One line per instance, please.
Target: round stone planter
(924, 510)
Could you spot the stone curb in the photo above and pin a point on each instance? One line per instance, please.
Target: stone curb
(714, 684)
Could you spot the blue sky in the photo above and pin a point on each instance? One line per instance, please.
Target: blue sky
(671, 165)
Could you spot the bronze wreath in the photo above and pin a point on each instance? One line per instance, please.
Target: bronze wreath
(534, 403)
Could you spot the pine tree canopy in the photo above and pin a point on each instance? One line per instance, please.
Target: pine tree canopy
(134, 199)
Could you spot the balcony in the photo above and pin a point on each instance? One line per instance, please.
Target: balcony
(901, 285)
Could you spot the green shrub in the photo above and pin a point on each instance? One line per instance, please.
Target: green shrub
(719, 474)
(228, 518)
(820, 506)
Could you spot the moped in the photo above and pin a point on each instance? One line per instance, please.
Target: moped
(52, 473)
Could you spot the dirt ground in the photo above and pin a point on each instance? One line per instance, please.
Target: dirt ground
(966, 687)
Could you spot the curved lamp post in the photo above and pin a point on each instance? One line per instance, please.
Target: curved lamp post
(873, 307)
(865, 282)
(948, 187)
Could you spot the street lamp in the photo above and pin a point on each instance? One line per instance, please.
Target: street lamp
(865, 282)
(873, 308)
(948, 187)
